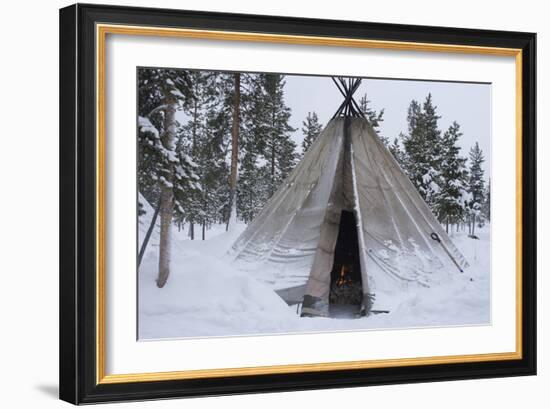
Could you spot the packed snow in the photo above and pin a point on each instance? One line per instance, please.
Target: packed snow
(206, 296)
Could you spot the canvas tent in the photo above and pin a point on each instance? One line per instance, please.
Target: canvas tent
(347, 213)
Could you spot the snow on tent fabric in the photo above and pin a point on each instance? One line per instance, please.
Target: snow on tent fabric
(292, 241)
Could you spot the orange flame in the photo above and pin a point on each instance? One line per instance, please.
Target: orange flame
(343, 279)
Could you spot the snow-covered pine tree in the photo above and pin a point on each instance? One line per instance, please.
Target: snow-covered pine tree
(311, 128)
(202, 139)
(149, 98)
(216, 191)
(373, 117)
(452, 181)
(422, 149)
(268, 151)
(253, 188)
(476, 186)
(219, 123)
(466, 200)
(412, 142)
(235, 133)
(280, 148)
(161, 169)
(188, 207)
(223, 121)
(486, 207)
(396, 150)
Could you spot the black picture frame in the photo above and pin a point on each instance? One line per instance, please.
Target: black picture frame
(78, 308)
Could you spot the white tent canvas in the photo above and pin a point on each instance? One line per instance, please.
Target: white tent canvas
(347, 174)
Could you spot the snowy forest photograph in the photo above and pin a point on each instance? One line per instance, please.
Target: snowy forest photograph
(275, 203)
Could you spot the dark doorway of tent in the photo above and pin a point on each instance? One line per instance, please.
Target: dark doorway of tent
(346, 289)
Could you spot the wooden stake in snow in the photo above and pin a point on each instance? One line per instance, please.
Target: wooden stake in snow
(148, 234)
(435, 236)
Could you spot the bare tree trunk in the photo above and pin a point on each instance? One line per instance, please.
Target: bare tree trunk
(148, 234)
(474, 225)
(204, 230)
(166, 195)
(234, 151)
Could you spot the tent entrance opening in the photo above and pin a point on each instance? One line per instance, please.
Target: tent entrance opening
(346, 289)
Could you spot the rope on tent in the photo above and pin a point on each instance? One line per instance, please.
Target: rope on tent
(436, 237)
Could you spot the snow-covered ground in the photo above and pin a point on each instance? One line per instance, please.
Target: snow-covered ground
(206, 296)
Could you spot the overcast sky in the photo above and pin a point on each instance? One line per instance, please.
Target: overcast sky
(468, 104)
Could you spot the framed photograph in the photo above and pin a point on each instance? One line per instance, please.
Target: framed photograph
(257, 203)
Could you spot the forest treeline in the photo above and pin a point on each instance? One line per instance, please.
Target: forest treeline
(214, 147)
(453, 186)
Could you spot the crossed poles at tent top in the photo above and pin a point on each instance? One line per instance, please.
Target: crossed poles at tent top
(347, 88)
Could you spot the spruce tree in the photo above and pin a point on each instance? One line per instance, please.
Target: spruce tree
(280, 148)
(396, 150)
(226, 121)
(235, 132)
(476, 186)
(190, 133)
(311, 130)
(422, 149)
(373, 117)
(412, 142)
(253, 188)
(486, 207)
(203, 137)
(269, 153)
(219, 123)
(448, 204)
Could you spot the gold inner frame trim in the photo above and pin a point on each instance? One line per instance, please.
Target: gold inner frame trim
(101, 33)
